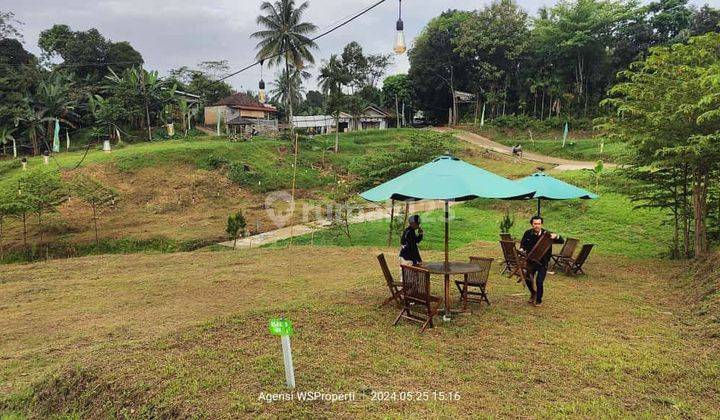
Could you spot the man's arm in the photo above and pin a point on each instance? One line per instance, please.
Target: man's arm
(557, 239)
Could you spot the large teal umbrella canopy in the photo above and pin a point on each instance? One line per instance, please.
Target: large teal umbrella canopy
(450, 179)
(447, 178)
(549, 188)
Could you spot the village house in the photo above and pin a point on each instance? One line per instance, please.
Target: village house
(241, 112)
(371, 118)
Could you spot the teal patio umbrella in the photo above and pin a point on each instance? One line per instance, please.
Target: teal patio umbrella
(448, 178)
(549, 188)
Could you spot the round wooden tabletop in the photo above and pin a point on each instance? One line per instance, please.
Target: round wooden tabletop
(451, 268)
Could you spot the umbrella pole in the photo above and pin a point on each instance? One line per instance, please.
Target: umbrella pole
(447, 217)
(392, 216)
(538, 212)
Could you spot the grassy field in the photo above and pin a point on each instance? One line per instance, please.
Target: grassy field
(176, 195)
(581, 145)
(186, 335)
(611, 222)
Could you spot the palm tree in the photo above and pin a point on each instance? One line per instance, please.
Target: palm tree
(285, 37)
(289, 90)
(333, 76)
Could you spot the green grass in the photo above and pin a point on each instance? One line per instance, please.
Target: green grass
(579, 146)
(270, 161)
(185, 335)
(611, 222)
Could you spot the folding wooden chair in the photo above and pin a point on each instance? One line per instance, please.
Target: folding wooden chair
(573, 267)
(476, 281)
(566, 252)
(506, 237)
(418, 304)
(394, 286)
(537, 253)
(510, 256)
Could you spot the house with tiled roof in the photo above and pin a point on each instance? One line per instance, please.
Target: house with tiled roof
(241, 111)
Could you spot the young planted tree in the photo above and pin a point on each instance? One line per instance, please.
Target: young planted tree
(41, 192)
(668, 109)
(236, 225)
(285, 38)
(95, 195)
(8, 208)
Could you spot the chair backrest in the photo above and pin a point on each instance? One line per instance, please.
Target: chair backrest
(509, 251)
(569, 248)
(506, 237)
(386, 271)
(416, 285)
(583, 255)
(480, 277)
(541, 248)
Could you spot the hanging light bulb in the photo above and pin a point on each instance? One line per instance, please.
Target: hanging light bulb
(400, 46)
(261, 92)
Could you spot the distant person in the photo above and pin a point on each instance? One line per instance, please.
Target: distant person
(517, 150)
(537, 269)
(409, 252)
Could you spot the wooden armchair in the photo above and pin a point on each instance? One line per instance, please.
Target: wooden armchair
(394, 286)
(574, 266)
(566, 252)
(418, 304)
(476, 281)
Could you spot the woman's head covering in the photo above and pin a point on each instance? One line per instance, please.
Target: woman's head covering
(414, 219)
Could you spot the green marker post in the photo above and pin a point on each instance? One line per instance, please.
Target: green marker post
(283, 327)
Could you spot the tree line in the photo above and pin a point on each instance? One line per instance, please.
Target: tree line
(560, 62)
(91, 87)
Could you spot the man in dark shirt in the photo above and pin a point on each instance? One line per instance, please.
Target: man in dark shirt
(409, 252)
(539, 270)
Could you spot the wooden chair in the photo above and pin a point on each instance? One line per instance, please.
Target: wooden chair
(477, 281)
(506, 237)
(535, 256)
(510, 256)
(418, 304)
(574, 266)
(394, 286)
(566, 252)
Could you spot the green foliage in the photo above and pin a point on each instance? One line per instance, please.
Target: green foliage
(236, 225)
(95, 195)
(423, 147)
(666, 107)
(80, 48)
(506, 223)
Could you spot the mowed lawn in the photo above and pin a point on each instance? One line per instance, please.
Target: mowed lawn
(186, 335)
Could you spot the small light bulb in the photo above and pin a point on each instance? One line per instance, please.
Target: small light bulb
(400, 46)
(261, 92)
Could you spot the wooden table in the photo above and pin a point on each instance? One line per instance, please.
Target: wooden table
(451, 268)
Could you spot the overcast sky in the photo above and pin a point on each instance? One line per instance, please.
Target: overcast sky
(170, 34)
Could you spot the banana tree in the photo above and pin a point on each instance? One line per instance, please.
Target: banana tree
(53, 95)
(6, 136)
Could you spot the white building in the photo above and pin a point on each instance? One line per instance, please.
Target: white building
(372, 118)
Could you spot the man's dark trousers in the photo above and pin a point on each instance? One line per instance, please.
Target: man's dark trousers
(541, 271)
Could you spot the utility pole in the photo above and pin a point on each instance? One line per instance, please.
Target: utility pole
(397, 111)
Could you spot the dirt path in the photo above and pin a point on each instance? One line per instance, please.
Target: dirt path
(304, 229)
(562, 164)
